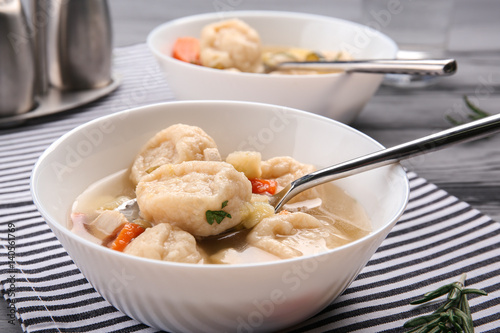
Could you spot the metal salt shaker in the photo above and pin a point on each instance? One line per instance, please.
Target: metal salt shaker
(17, 64)
(78, 43)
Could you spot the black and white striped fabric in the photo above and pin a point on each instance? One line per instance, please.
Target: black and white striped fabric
(438, 238)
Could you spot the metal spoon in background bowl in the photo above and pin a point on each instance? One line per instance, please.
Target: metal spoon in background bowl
(427, 144)
(432, 67)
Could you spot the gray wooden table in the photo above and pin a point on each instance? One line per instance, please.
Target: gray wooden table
(393, 116)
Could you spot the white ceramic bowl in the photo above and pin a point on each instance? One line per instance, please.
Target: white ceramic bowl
(216, 298)
(339, 96)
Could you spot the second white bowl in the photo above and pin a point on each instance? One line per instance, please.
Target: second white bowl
(339, 96)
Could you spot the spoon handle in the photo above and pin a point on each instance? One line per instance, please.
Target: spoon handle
(392, 66)
(462, 133)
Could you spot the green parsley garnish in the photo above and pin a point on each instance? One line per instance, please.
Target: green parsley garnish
(453, 316)
(217, 215)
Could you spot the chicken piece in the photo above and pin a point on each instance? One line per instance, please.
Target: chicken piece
(284, 170)
(79, 222)
(182, 194)
(107, 224)
(247, 162)
(292, 235)
(175, 144)
(231, 44)
(166, 242)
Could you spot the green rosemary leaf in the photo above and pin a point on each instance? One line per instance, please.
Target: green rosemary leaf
(474, 291)
(464, 305)
(414, 330)
(453, 121)
(467, 320)
(452, 316)
(436, 329)
(477, 111)
(434, 294)
(421, 320)
(454, 320)
(455, 292)
(445, 306)
(457, 327)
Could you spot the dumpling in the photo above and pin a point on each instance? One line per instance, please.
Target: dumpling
(175, 144)
(284, 170)
(182, 194)
(231, 44)
(166, 242)
(289, 235)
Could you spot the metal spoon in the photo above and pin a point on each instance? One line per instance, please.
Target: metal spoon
(466, 132)
(433, 67)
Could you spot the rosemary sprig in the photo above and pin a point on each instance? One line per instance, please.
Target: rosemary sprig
(452, 316)
(475, 114)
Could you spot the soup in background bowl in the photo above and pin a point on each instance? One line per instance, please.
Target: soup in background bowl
(340, 96)
(213, 298)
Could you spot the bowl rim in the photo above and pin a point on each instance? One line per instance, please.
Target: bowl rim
(257, 14)
(67, 232)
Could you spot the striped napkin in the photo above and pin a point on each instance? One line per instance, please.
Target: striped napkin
(438, 238)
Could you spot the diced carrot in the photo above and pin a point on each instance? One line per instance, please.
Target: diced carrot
(126, 235)
(264, 186)
(187, 49)
(284, 212)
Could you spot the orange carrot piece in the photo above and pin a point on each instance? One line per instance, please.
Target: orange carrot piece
(264, 186)
(187, 49)
(126, 235)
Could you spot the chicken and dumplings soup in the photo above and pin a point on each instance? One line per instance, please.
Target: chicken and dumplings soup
(196, 206)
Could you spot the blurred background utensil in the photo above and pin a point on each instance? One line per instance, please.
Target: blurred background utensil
(17, 66)
(391, 66)
(56, 57)
(78, 43)
(38, 20)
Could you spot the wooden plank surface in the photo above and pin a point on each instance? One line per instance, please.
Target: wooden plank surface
(469, 171)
